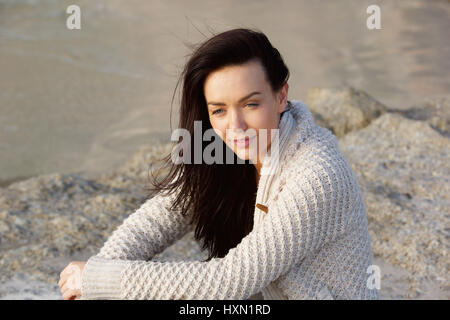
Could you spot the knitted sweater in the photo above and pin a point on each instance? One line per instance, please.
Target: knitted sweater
(312, 243)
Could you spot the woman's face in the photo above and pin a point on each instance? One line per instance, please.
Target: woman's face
(240, 99)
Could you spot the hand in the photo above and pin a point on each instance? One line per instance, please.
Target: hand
(70, 280)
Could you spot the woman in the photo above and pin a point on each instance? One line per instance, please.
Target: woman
(289, 222)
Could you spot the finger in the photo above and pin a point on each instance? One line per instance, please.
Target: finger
(70, 286)
(67, 295)
(64, 270)
(62, 281)
(67, 268)
(71, 295)
(67, 272)
(65, 288)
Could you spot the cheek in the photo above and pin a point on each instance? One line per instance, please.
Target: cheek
(218, 129)
(266, 121)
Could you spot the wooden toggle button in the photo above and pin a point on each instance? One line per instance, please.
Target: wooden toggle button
(262, 207)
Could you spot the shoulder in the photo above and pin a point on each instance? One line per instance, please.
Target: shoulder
(308, 143)
(314, 164)
(317, 183)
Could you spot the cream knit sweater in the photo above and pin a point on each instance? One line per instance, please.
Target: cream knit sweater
(313, 243)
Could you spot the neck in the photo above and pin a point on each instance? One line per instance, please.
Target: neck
(286, 125)
(258, 163)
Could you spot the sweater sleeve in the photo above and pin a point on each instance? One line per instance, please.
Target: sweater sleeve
(306, 214)
(147, 231)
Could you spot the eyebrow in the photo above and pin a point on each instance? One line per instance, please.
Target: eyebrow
(240, 100)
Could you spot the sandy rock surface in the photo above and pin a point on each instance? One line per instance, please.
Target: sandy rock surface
(400, 160)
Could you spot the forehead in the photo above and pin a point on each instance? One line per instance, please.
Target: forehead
(235, 81)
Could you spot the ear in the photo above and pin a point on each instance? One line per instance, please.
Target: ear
(282, 97)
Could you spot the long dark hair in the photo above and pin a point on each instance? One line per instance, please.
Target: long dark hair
(221, 197)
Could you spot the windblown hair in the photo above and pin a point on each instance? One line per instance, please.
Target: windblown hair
(221, 197)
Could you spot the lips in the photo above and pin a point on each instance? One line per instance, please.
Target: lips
(243, 142)
(242, 139)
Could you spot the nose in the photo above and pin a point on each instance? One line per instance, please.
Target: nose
(236, 121)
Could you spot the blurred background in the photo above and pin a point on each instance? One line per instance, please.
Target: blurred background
(77, 107)
(83, 100)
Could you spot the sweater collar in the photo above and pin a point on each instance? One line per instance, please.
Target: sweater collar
(295, 126)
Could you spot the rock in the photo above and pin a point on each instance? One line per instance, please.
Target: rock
(403, 169)
(50, 220)
(343, 109)
(22, 287)
(401, 165)
(434, 110)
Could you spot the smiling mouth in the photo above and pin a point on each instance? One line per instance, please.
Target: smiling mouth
(242, 142)
(242, 139)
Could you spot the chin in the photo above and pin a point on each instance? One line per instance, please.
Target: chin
(245, 153)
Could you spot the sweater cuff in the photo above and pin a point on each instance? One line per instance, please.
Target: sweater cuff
(101, 278)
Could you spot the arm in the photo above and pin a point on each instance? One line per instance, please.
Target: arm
(146, 232)
(298, 223)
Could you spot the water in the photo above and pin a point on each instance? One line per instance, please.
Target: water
(84, 100)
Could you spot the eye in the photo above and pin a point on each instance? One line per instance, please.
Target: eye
(216, 111)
